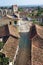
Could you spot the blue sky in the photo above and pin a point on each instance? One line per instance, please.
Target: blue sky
(20, 2)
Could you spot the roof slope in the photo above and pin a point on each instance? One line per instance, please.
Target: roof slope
(13, 31)
(38, 41)
(37, 50)
(4, 31)
(10, 47)
(39, 30)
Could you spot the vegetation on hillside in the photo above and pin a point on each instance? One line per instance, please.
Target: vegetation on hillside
(36, 22)
(20, 9)
(40, 11)
(3, 60)
(1, 45)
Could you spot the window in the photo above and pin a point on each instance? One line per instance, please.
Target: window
(15, 22)
(10, 23)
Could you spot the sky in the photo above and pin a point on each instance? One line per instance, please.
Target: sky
(20, 2)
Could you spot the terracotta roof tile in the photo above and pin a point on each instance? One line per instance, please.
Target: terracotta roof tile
(37, 50)
(10, 47)
(4, 31)
(13, 31)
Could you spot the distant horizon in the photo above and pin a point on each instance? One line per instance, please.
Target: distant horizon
(21, 2)
(20, 5)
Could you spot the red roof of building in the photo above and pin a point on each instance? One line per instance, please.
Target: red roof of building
(4, 31)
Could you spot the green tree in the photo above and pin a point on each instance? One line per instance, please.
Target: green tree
(3, 60)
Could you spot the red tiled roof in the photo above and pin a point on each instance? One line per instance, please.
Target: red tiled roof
(39, 30)
(37, 41)
(4, 31)
(10, 47)
(23, 13)
(13, 31)
(37, 50)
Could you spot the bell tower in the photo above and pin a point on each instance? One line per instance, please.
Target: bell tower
(15, 8)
